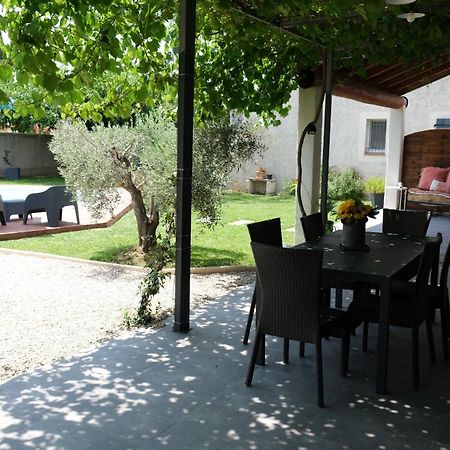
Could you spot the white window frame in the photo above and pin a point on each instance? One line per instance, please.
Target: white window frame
(368, 149)
(447, 125)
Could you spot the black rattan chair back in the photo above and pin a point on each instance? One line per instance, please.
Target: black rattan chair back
(290, 283)
(443, 280)
(429, 256)
(312, 226)
(406, 222)
(266, 232)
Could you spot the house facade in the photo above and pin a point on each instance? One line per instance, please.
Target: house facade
(360, 134)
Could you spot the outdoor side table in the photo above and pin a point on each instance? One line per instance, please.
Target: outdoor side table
(13, 206)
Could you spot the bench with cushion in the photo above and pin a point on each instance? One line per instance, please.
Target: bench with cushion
(433, 188)
(427, 149)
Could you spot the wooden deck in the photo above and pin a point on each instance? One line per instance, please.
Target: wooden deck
(38, 226)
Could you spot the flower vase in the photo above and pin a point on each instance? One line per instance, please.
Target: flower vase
(354, 236)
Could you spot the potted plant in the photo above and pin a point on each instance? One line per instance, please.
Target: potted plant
(353, 215)
(374, 186)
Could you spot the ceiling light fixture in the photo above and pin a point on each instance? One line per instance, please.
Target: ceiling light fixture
(399, 2)
(411, 16)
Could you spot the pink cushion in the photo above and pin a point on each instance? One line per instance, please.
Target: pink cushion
(432, 173)
(444, 187)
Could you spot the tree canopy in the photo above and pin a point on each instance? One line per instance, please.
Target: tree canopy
(108, 58)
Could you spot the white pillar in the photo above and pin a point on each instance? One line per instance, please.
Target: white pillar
(394, 156)
(311, 156)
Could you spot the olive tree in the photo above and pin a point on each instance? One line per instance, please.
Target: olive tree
(140, 157)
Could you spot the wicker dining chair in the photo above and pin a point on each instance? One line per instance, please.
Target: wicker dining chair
(439, 299)
(314, 229)
(409, 305)
(312, 226)
(406, 222)
(265, 232)
(291, 307)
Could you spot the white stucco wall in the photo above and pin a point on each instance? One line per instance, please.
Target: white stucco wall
(348, 136)
(348, 132)
(426, 104)
(281, 155)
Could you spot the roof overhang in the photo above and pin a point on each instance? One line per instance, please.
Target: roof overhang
(380, 84)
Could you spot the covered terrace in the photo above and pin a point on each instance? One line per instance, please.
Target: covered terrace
(365, 52)
(158, 389)
(163, 390)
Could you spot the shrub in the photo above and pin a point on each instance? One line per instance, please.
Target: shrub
(290, 187)
(375, 185)
(345, 184)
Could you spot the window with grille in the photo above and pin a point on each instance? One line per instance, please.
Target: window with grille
(442, 123)
(376, 136)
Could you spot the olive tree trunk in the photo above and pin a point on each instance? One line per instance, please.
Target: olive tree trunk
(147, 221)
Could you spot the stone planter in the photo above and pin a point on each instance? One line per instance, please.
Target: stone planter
(12, 173)
(377, 199)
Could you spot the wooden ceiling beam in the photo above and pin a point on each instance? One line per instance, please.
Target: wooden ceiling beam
(368, 95)
(410, 77)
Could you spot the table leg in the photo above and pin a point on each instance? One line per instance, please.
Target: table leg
(338, 298)
(383, 338)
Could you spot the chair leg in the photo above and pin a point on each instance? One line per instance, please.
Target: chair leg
(301, 350)
(445, 324)
(431, 341)
(415, 356)
(251, 367)
(365, 336)
(250, 318)
(319, 373)
(286, 351)
(77, 214)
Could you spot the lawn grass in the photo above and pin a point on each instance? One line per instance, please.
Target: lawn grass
(100, 244)
(50, 181)
(226, 244)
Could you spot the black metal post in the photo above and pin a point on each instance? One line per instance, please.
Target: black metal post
(326, 136)
(185, 117)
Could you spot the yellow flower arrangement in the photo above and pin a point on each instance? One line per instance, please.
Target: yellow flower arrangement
(351, 211)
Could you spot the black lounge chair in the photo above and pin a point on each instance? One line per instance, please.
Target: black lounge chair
(2, 212)
(51, 202)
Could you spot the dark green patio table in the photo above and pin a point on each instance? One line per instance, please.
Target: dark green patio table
(390, 257)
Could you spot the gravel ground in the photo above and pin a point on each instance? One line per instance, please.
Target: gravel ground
(51, 307)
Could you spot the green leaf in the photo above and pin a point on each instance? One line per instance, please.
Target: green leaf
(4, 98)
(5, 72)
(50, 82)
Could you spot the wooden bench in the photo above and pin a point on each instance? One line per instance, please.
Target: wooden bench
(425, 149)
